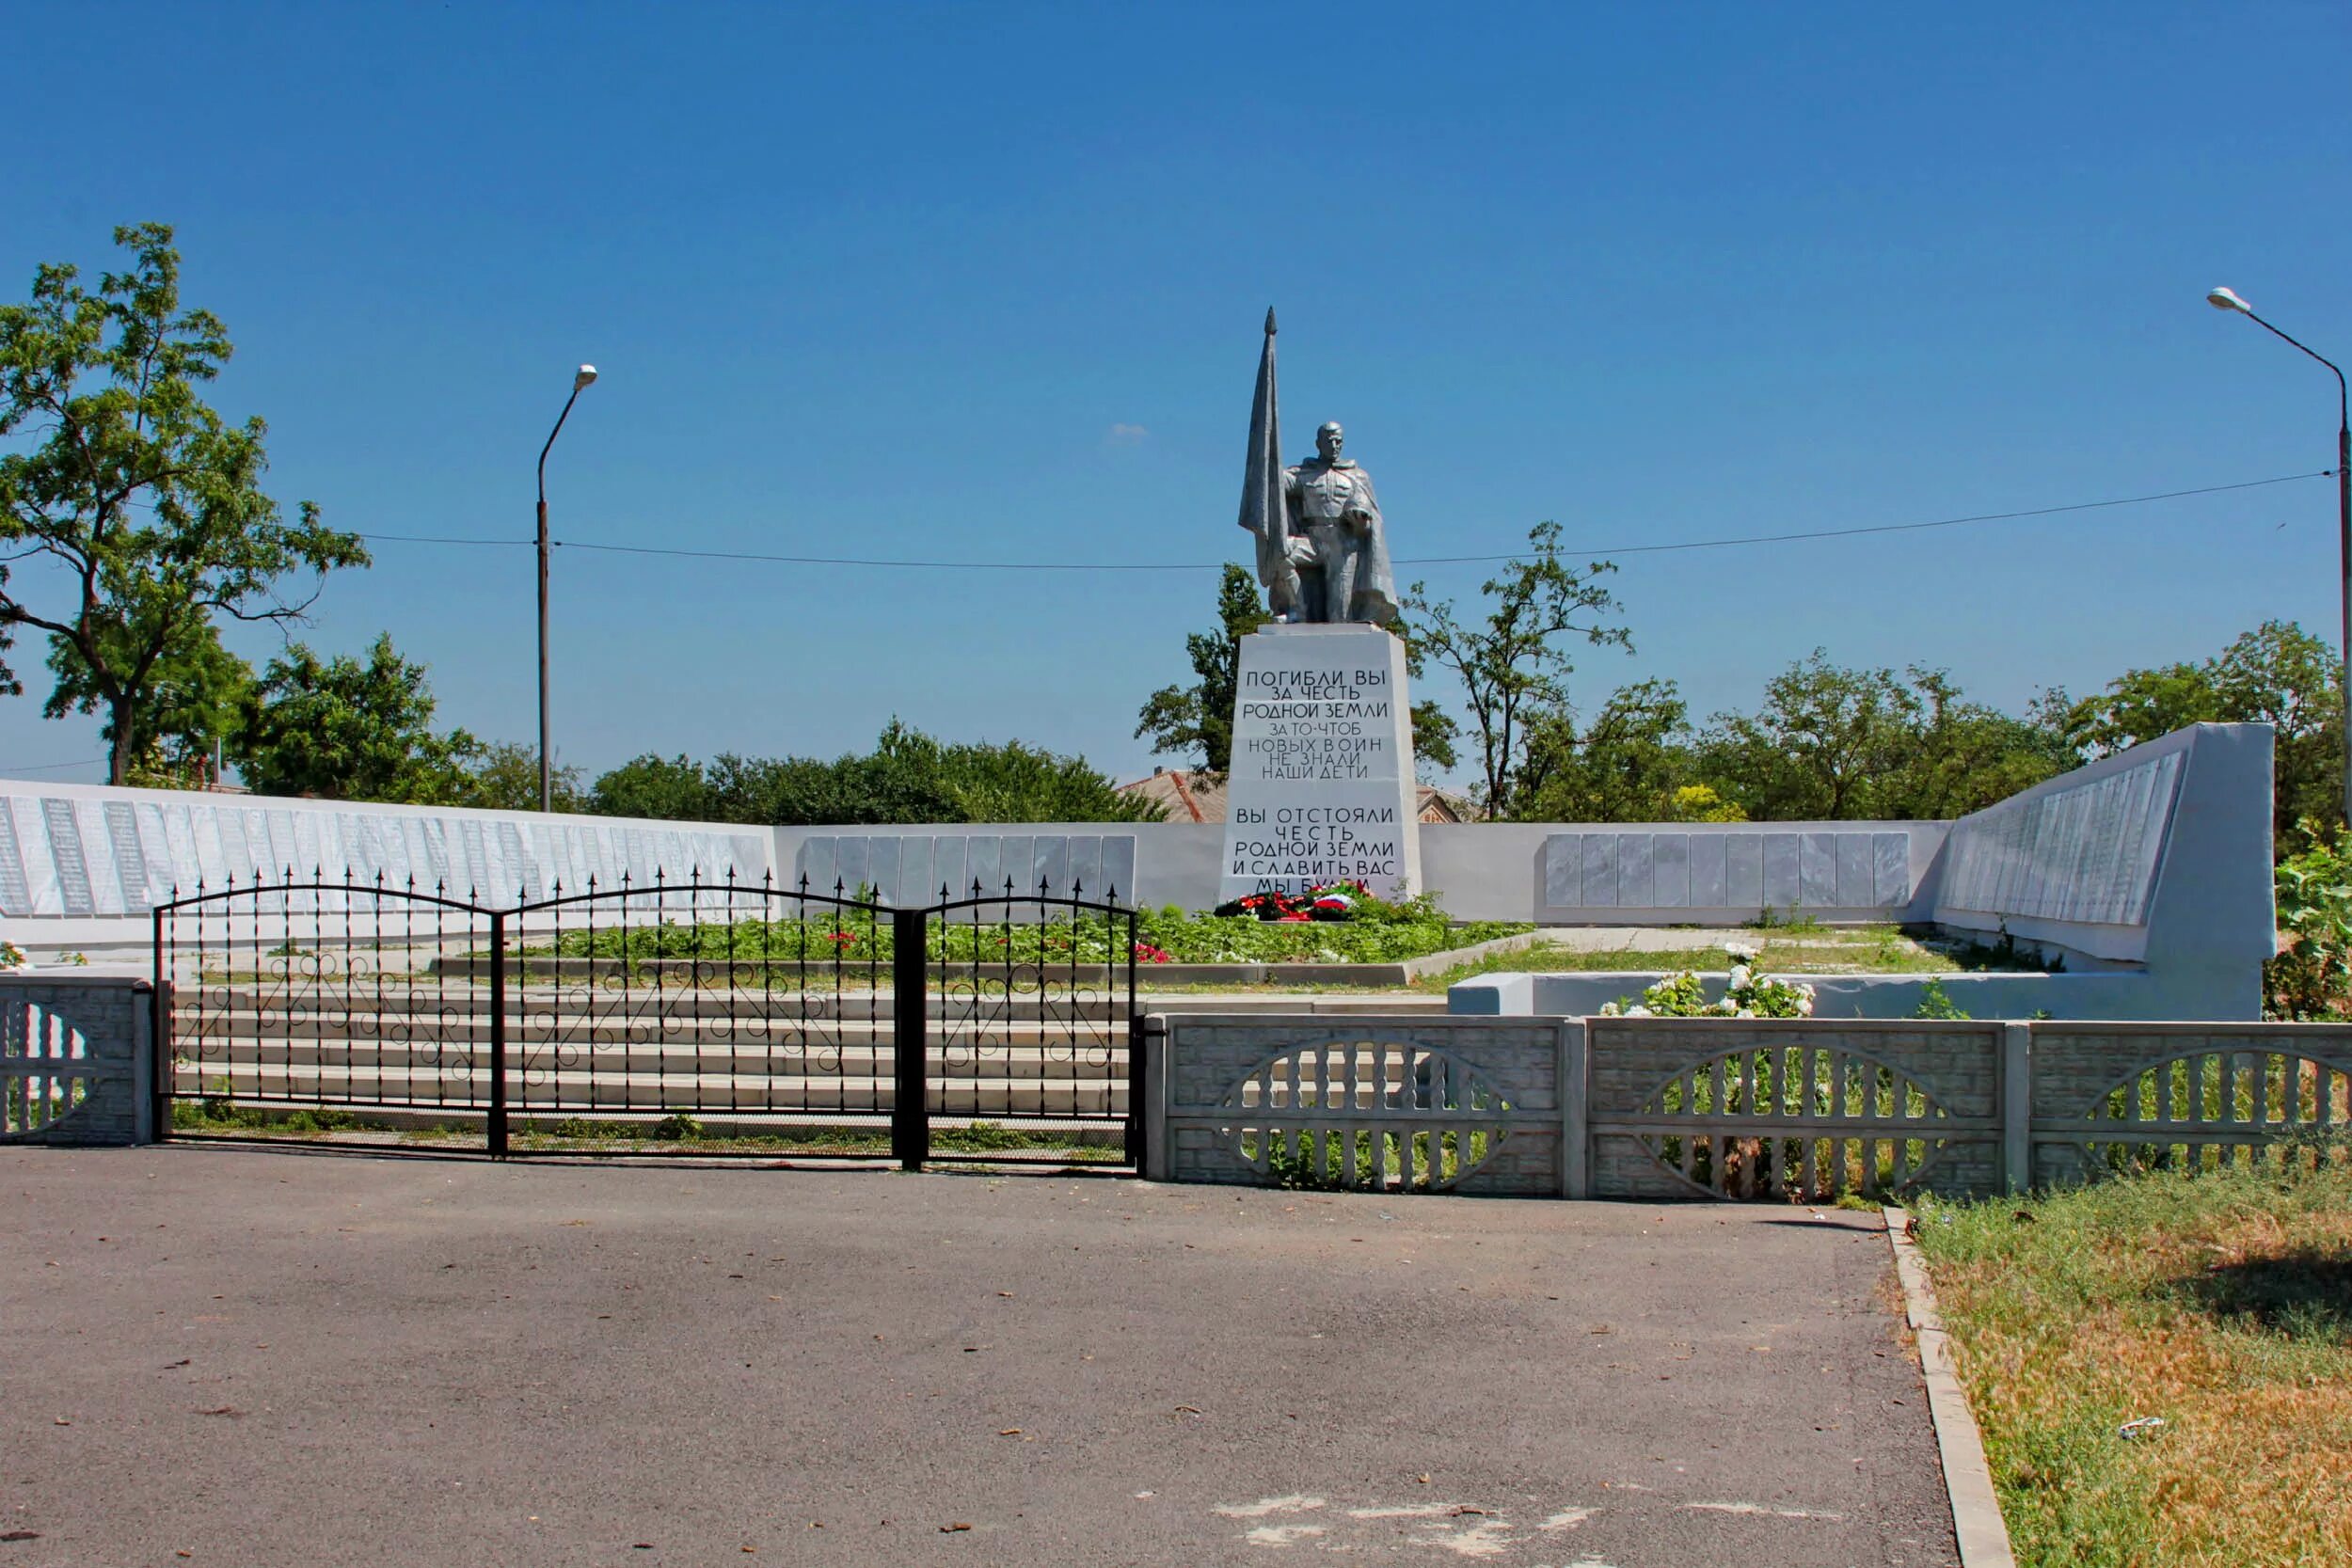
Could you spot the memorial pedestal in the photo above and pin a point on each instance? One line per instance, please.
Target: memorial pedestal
(1321, 787)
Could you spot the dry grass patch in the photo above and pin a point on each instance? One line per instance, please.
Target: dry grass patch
(2220, 1304)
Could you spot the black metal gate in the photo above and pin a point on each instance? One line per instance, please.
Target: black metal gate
(717, 1016)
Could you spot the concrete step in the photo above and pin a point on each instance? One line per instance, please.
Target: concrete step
(591, 1093)
(952, 1062)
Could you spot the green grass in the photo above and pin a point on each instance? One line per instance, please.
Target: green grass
(2220, 1303)
(1839, 950)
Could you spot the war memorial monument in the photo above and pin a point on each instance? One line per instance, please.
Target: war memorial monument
(1322, 787)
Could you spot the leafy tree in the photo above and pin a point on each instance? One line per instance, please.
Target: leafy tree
(142, 505)
(1624, 767)
(1817, 748)
(1200, 718)
(196, 694)
(1962, 756)
(668, 788)
(504, 776)
(1700, 804)
(909, 777)
(2278, 674)
(1512, 666)
(1435, 733)
(346, 731)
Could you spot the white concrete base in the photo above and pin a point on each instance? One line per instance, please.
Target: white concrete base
(1322, 783)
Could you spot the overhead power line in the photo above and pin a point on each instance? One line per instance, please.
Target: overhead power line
(60, 767)
(1403, 561)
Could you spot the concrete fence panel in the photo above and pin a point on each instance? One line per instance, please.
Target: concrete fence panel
(1795, 1109)
(77, 1058)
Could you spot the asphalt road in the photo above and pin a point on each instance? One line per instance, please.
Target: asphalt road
(263, 1357)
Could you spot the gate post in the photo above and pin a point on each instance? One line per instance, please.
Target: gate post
(497, 1127)
(160, 1074)
(909, 1042)
(1138, 1131)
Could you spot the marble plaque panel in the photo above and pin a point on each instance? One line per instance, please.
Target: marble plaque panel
(1744, 870)
(1633, 866)
(985, 861)
(40, 866)
(122, 832)
(1857, 883)
(1051, 874)
(16, 895)
(154, 852)
(130, 856)
(1670, 871)
(1817, 869)
(949, 861)
(65, 853)
(916, 887)
(881, 866)
(236, 857)
(1086, 864)
(1600, 871)
(1890, 869)
(1708, 871)
(277, 826)
(1563, 871)
(310, 853)
(1782, 888)
(522, 861)
(851, 867)
(98, 855)
(1119, 870)
(188, 860)
(1019, 863)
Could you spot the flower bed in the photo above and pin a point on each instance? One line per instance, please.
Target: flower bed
(1375, 932)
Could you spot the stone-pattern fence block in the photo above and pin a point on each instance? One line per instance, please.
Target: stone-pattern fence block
(1385, 1103)
(77, 1058)
(1806, 1109)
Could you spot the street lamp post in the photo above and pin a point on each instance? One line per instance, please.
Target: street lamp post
(546, 778)
(2225, 299)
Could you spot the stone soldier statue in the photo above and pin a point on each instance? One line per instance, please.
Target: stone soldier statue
(1336, 543)
(1321, 552)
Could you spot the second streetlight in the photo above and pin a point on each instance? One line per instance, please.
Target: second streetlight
(546, 778)
(2227, 299)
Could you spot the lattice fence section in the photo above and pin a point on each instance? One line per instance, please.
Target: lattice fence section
(45, 1067)
(1376, 1104)
(1795, 1109)
(2123, 1098)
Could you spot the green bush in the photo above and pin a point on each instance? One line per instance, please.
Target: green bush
(2311, 976)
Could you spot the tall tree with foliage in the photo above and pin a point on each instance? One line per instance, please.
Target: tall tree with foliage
(2278, 675)
(140, 509)
(1512, 667)
(1624, 765)
(503, 775)
(1199, 717)
(344, 730)
(909, 777)
(196, 694)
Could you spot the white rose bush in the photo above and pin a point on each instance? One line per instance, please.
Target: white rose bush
(1684, 995)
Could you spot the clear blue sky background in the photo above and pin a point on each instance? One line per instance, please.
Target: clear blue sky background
(985, 281)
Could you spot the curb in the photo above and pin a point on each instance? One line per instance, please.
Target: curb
(1976, 1522)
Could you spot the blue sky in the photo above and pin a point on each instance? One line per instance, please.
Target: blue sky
(948, 282)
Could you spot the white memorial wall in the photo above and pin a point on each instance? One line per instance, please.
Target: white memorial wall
(77, 850)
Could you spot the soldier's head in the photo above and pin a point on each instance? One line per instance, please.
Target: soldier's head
(1330, 437)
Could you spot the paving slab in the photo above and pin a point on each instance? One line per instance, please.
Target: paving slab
(255, 1356)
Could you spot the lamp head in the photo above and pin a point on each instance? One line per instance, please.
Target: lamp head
(588, 373)
(2227, 299)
